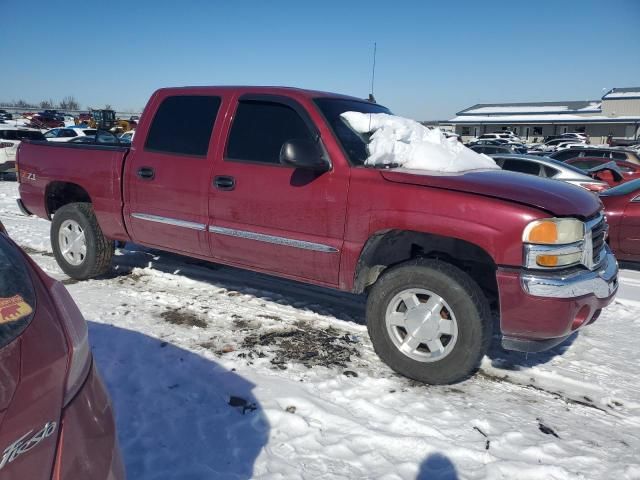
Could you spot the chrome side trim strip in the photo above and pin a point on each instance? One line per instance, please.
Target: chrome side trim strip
(261, 237)
(170, 221)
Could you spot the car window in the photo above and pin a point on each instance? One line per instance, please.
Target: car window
(521, 166)
(586, 164)
(565, 155)
(29, 135)
(260, 129)
(594, 153)
(618, 155)
(68, 133)
(183, 125)
(626, 169)
(17, 297)
(52, 133)
(549, 172)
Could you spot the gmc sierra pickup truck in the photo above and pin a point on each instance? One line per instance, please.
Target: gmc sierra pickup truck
(273, 180)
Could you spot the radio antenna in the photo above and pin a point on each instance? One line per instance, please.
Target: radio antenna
(373, 73)
(372, 99)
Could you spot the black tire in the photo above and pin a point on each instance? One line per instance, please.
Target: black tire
(97, 260)
(465, 299)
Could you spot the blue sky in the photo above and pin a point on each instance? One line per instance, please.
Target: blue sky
(434, 59)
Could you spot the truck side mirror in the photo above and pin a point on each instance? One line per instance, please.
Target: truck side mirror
(304, 154)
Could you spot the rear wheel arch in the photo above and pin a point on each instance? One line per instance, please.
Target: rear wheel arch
(59, 194)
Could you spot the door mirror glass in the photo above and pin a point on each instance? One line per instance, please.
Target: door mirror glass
(303, 153)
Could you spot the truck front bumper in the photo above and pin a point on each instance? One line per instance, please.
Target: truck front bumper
(539, 310)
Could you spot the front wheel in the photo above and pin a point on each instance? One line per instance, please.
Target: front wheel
(81, 249)
(429, 321)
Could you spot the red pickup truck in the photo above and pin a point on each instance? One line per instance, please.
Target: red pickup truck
(273, 180)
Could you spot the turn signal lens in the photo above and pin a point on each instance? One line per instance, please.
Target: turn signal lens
(558, 260)
(544, 232)
(554, 231)
(547, 260)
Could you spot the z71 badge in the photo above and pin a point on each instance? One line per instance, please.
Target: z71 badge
(28, 176)
(13, 309)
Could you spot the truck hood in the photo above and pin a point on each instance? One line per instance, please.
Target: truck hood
(554, 196)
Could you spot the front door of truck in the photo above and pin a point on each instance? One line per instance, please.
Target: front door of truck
(167, 174)
(269, 216)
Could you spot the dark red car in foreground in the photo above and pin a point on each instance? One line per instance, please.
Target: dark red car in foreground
(627, 170)
(56, 419)
(622, 208)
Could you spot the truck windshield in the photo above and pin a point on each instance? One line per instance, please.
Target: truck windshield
(354, 146)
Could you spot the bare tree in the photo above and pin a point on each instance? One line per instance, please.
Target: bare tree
(46, 104)
(69, 103)
(23, 104)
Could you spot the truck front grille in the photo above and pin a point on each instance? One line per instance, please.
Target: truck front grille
(598, 236)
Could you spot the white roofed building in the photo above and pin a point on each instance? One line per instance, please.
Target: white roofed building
(616, 114)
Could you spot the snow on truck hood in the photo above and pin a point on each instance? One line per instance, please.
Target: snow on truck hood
(554, 196)
(401, 141)
(426, 157)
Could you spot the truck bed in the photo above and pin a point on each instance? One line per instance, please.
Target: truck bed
(95, 169)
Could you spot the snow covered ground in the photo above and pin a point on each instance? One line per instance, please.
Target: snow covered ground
(220, 373)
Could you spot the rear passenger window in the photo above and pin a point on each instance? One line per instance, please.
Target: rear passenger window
(17, 298)
(531, 168)
(595, 153)
(566, 155)
(183, 125)
(586, 164)
(618, 156)
(261, 128)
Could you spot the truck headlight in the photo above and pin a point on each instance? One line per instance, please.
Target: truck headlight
(554, 242)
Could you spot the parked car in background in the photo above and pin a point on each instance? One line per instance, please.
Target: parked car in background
(68, 133)
(622, 208)
(127, 136)
(626, 155)
(56, 418)
(47, 119)
(4, 115)
(292, 198)
(558, 143)
(575, 135)
(627, 170)
(10, 138)
(495, 149)
(493, 136)
(473, 143)
(85, 139)
(84, 118)
(102, 137)
(506, 136)
(548, 168)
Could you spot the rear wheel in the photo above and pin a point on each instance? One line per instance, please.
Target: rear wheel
(429, 321)
(81, 249)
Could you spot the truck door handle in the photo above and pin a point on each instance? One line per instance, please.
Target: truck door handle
(224, 182)
(146, 173)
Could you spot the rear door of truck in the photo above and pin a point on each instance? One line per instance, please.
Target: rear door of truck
(167, 173)
(271, 216)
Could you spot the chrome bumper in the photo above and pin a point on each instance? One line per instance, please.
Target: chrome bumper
(602, 282)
